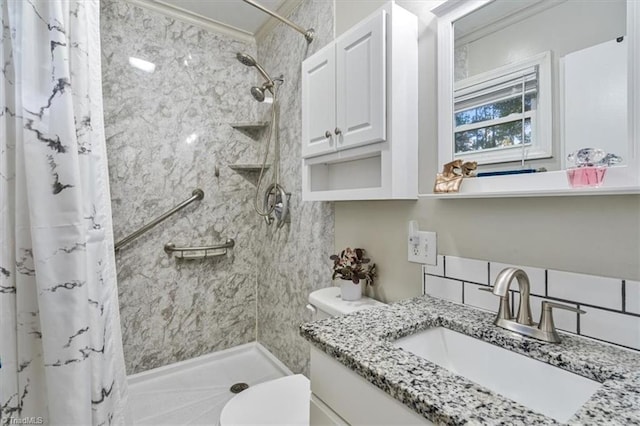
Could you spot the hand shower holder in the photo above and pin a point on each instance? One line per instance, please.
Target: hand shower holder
(280, 213)
(203, 252)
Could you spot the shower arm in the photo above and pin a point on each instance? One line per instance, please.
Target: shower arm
(308, 34)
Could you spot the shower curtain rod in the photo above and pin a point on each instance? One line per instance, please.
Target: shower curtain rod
(308, 34)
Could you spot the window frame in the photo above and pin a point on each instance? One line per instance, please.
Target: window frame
(541, 145)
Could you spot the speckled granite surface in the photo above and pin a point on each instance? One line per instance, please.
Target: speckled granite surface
(363, 342)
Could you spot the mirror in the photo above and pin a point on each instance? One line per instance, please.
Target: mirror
(521, 84)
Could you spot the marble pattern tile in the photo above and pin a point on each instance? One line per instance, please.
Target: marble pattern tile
(293, 261)
(167, 133)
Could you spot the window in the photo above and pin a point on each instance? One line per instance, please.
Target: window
(504, 114)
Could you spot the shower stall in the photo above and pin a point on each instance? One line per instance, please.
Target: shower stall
(210, 102)
(170, 131)
(181, 127)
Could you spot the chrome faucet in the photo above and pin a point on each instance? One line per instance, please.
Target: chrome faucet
(501, 288)
(545, 330)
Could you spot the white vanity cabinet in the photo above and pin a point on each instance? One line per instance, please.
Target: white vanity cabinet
(341, 397)
(359, 112)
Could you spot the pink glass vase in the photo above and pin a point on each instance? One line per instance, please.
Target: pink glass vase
(586, 176)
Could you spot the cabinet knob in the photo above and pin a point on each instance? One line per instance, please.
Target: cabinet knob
(327, 134)
(338, 131)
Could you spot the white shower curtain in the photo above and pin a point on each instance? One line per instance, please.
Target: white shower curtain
(60, 339)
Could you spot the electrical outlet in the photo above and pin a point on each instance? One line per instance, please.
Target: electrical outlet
(421, 245)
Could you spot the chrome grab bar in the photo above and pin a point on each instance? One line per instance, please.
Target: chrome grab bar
(197, 194)
(192, 252)
(308, 34)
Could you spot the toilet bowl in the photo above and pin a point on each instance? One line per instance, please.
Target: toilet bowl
(285, 401)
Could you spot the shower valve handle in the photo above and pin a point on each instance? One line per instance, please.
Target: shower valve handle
(338, 131)
(327, 134)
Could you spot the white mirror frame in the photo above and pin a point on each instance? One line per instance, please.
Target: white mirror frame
(618, 180)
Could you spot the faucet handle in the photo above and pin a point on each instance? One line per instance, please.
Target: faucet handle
(546, 317)
(546, 306)
(486, 288)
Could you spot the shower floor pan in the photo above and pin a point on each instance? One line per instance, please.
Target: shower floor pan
(193, 392)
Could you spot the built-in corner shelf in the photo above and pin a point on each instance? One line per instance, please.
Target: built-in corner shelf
(250, 125)
(251, 172)
(248, 167)
(253, 129)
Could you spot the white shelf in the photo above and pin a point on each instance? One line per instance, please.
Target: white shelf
(624, 190)
(618, 181)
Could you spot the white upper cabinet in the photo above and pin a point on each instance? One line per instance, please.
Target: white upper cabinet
(359, 111)
(319, 102)
(344, 90)
(361, 83)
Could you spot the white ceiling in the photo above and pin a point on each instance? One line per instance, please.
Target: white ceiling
(233, 13)
(232, 17)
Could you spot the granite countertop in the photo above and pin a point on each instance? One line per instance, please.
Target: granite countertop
(362, 341)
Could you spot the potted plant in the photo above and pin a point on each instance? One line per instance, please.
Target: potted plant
(352, 268)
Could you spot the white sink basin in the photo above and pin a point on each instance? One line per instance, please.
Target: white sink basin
(541, 387)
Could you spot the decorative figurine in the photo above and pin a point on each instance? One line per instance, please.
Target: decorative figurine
(452, 174)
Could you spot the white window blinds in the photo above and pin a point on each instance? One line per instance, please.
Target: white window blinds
(496, 89)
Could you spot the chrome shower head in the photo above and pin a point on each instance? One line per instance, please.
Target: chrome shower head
(248, 60)
(258, 93)
(245, 59)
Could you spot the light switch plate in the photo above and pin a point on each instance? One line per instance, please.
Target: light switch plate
(422, 247)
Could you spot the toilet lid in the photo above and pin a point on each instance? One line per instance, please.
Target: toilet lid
(283, 401)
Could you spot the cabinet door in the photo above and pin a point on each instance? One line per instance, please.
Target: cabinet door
(361, 83)
(322, 415)
(319, 102)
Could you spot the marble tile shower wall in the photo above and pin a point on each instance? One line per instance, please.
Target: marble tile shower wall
(294, 259)
(612, 305)
(167, 131)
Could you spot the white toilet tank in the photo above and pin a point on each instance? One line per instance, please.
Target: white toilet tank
(326, 302)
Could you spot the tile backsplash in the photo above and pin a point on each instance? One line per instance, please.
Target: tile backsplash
(612, 304)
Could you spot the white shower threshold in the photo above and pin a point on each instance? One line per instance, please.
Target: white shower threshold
(193, 392)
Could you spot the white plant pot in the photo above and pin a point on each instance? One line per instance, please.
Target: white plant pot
(350, 291)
